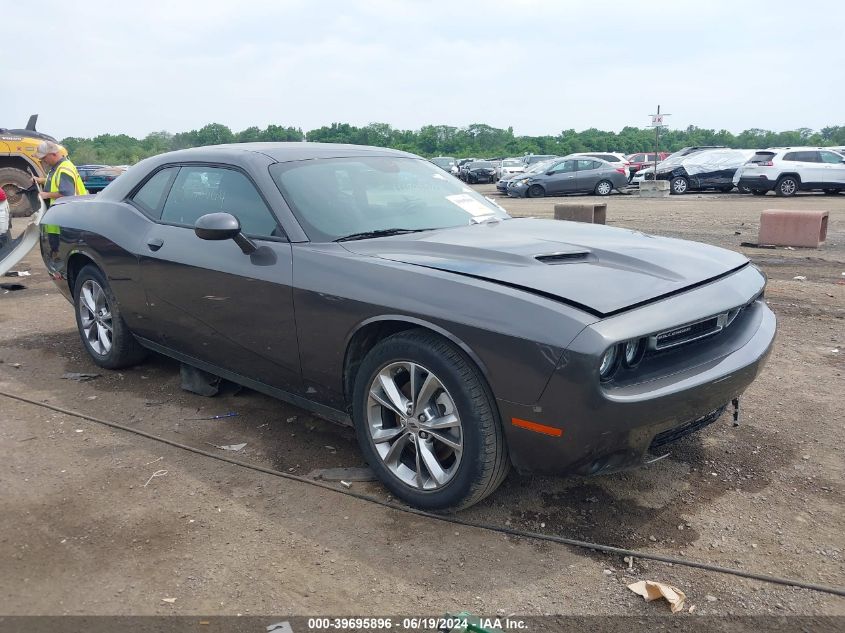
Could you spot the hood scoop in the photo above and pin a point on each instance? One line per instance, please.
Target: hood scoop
(563, 258)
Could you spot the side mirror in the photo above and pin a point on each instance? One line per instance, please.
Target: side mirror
(223, 226)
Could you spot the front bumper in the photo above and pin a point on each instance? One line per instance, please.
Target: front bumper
(517, 190)
(604, 428)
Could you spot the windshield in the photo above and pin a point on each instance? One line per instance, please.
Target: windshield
(335, 197)
(481, 164)
(536, 168)
(510, 162)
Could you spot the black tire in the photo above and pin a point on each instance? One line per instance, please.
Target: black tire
(13, 181)
(603, 188)
(787, 186)
(759, 192)
(727, 189)
(125, 351)
(679, 185)
(484, 460)
(535, 191)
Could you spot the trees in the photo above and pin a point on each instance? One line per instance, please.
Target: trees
(477, 139)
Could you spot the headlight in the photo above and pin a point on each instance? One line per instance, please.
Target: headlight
(634, 351)
(609, 363)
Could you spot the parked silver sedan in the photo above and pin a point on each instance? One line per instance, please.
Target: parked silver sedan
(571, 174)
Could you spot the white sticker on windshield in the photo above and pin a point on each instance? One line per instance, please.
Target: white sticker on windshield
(469, 204)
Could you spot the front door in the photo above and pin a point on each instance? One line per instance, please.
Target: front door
(833, 166)
(562, 177)
(208, 299)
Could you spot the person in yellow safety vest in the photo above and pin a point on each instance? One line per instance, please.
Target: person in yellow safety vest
(62, 180)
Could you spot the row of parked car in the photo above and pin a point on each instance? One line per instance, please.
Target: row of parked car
(784, 170)
(97, 177)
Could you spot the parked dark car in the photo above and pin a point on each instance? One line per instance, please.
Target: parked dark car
(575, 174)
(480, 171)
(102, 178)
(85, 171)
(367, 286)
(707, 169)
(463, 166)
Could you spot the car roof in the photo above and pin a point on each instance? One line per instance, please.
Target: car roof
(283, 152)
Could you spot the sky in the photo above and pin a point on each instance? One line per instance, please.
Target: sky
(539, 66)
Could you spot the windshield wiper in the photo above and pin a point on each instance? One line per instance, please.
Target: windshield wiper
(365, 235)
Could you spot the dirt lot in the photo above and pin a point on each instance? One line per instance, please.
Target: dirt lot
(84, 530)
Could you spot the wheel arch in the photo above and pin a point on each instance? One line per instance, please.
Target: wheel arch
(371, 331)
(76, 261)
(19, 161)
(789, 174)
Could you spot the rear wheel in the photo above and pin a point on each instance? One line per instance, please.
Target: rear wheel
(104, 333)
(427, 424)
(787, 186)
(13, 182)
(536, 191)
(603, 188)
(679, 185)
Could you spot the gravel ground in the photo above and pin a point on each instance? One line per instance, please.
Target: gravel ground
(84, 530)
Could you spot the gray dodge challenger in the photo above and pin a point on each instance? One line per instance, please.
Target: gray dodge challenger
(373, 289)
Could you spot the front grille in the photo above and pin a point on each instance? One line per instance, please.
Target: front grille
(676, 433)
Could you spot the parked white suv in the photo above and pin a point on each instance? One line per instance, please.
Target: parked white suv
(787, 170)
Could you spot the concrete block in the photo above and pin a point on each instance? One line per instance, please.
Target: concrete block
(591, 213)
(786, 227)
(654, 189)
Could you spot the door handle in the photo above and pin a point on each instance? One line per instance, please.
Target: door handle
(155, 243)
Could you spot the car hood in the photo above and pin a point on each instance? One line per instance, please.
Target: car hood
(599, 269)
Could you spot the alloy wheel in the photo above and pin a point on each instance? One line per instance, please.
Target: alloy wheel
(679, 185)
(788, 186)
(603, 188)
(414, 425)
(95, 317)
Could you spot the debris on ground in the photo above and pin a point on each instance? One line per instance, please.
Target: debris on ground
(80, 376)
(18, 273)
(158, 473)
(168, 600)
(228, 447)
(353, 473)
(198, 381)
(231, 414)
(800, 278)
(653, 590)
(12, 287)
(345, 484)
(756, 245)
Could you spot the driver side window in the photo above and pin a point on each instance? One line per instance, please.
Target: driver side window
(199, 190)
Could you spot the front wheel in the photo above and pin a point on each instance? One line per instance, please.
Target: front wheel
(427, 424)
(679, 185)
(535, 191)
(603, 188)
(104, 333)
(787, 186)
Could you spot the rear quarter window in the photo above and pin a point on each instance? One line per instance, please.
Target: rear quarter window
(150, 197)
(762, 157)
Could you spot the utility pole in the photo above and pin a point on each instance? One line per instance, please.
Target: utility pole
(657, 123)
